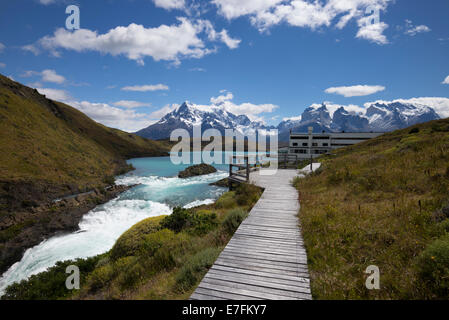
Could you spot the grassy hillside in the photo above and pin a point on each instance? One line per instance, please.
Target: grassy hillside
(384, 202)
(159, 258)
(49, 148)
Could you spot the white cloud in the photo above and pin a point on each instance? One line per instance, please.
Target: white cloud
(372, 31)
(230, 42)
(127, 120)
(308, 14)
(55, 94)
(222, 98)
(251, 110)
(224, 102)
(298, 118)
(413, 30)
(47, 76)
(47, 2)
(52, 76)
(232, 9)
(131, 104)
(446, 81)
(197, 69)
(2, 47)
(2, 65)
(163, 111)
(164, 43)
(170, 4)
(355, 91)
(145, 88)
(32, 48)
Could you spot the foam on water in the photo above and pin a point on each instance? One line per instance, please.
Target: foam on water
(198, 203)
(99, 230)
(101, 227)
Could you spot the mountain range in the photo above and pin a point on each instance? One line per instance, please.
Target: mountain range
(380, 116)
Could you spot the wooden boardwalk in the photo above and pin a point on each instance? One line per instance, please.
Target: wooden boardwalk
(265, 259)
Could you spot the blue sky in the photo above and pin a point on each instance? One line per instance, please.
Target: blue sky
(134, 60)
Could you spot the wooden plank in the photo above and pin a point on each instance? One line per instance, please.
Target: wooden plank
(221, 274)
(244, 292)
(267, 274)
(248, 280)
(298, 270)
(256, 288)
(198, 296)
(265, 259)
(223, 295)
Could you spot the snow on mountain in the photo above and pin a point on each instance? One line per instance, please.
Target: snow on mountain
(189, 115)
(378, 116)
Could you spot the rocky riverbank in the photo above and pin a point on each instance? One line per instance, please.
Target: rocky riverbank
(26, 228)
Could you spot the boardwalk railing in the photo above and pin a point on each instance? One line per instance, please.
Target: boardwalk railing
(243, 169)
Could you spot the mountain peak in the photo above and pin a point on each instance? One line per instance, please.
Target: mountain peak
(188, 115)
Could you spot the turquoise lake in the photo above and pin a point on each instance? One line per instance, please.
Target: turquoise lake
(159, 190)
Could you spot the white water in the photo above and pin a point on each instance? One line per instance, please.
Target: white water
(101, 227)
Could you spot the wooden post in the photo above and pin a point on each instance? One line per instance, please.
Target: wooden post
(247, 169)
(311, 161)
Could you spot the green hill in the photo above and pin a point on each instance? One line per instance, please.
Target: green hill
(50, 149)
(384, 202)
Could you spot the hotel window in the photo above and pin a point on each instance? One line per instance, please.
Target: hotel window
(325, 144)
(314, 144)
(305, 144)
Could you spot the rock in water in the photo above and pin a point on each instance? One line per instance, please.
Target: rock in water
(221, 183)
(197, 170)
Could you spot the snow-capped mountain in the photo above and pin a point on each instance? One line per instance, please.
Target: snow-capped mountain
(189, 115)
(379, 116)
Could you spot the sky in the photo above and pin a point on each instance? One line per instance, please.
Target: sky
(132, 61)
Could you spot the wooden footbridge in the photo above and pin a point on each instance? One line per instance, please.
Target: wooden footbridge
(265, 259)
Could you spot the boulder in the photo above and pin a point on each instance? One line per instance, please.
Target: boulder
(197, 170)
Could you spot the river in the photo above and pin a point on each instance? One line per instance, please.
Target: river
(158, 192)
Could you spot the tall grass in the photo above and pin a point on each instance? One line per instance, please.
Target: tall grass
(378, 203)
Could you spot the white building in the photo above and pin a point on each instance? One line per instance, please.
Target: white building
(306, 145)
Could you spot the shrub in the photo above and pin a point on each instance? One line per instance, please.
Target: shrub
(433, 267)
(195, 268)
(109, 180)
(198, 223)
(100, 277)
(129, 272)
(414, 130)
(178, 220)
(247, 194)
(226, 201)
(203, 222)
(49, 285)
(444, 226)
(154, 241)
(130, 243)
(233, 220)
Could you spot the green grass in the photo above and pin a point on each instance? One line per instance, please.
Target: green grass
(380, 203)
(159, 258)
(49, 143)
